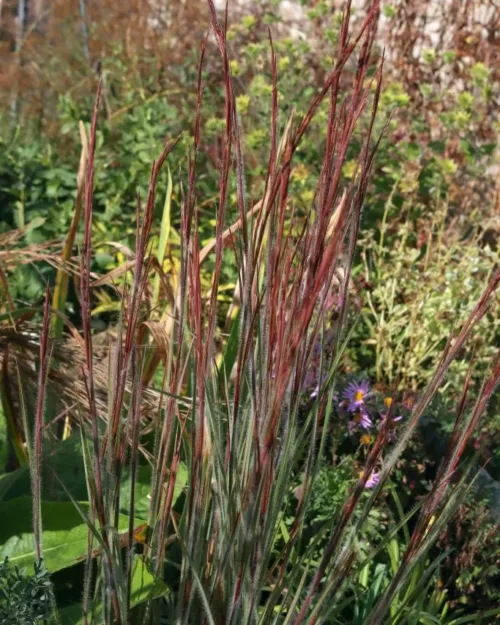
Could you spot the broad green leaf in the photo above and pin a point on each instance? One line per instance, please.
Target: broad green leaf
(66, 461)
(64, 533)
(393, 551)
(145, 587)
(143, 488)
(14, 432)
(9, 480)
(35, 223)
(63, 460)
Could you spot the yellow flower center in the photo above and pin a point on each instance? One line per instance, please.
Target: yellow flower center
(359, 396)
(388, 402)
(357, 417)
(366, 439)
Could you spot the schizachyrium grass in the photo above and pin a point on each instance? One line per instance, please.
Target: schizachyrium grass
(227, 410)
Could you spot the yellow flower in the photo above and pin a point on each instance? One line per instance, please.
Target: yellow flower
(235, 67)
(366, 439)
(448, 166)
(388, 402)
(242, 103)
(395, 95)
(307, 196)
(260, 87)
(232, 32)
(359, 395)
(248, 21)
(301, 174)
(349, 169)
(283, 63)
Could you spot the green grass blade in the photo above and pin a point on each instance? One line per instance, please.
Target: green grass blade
(164, 235)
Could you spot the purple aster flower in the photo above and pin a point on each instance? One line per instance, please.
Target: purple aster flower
(383, 417)
(357, 394)
(390, 433)
(314, 392)
(360, 419)
(373, 480)
(334, 301)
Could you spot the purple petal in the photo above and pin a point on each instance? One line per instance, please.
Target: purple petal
(372, 481)
(366, 422)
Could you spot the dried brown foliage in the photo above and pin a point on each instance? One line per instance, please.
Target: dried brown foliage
(47, 56)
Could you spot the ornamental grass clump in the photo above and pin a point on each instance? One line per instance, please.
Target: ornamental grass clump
(226, 439)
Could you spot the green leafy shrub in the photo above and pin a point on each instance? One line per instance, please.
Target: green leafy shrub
(424, 278)
(24, 600)
(472, 541)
